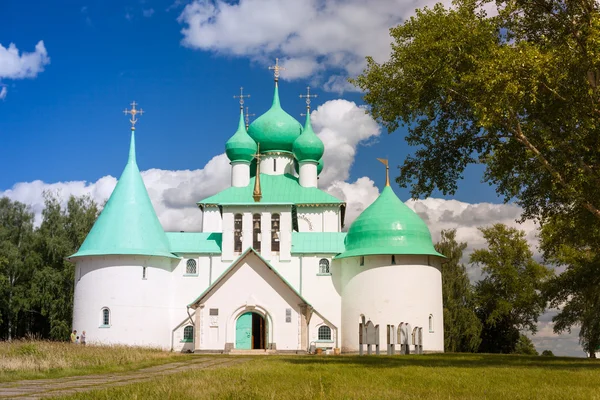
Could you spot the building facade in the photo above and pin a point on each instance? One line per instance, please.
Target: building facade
(270, 268)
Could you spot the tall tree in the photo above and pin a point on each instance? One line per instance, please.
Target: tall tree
(16, 229)
(518, 92)
(574, 292)
(462, 328)
(509, 296)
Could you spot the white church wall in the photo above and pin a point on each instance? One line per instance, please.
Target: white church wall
(212, 220)
(240, 173)
(139, 307)
(252, 287)
(227, 238)
(318, 219)
(277, 164)
(409, 291)
(319, 289)
(331, 219)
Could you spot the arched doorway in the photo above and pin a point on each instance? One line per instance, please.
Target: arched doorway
(250, 331)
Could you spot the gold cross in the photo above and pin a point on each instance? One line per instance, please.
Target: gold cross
(308, 96)
(133, 113)
(242, 96)
(276, 68)
(247, 117)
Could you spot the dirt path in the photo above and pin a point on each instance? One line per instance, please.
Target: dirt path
(41, 388)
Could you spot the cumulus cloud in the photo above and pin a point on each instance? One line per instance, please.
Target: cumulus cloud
(309, 36)
(25, 65)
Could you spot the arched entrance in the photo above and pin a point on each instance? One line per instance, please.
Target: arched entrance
(250, 331)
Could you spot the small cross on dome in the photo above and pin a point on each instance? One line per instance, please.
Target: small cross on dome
(276, 69)
(133, 112)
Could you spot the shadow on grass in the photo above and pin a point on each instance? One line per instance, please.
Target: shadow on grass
(455, 360)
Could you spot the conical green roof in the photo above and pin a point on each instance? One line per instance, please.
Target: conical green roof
(240, 147)
(128, 224)
(308, 146)
(388, 227)
(275, 130)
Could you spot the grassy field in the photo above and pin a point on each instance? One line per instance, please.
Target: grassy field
(444, 376)
(39, 359)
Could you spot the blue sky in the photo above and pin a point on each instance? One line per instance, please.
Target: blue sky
(67, 123)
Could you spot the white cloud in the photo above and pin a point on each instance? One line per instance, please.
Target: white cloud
(25, 65)
(148, 13)
(310, 35)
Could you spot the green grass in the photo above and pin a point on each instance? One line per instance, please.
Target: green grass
(441, 376)
(44, 359)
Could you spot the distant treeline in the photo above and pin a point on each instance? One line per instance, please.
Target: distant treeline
(36, 281)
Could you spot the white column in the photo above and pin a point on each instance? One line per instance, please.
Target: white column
(240, 173)
(247, 230)
(308, 174)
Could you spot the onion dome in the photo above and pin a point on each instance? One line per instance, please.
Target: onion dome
(388, 227)
(275, 130)
(128, 224)
(308, 146)
(320, 167)
(240, 147)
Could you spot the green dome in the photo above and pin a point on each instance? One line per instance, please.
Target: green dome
(308, 147)
(388, 227)
(240, 147)
(275, 130)
(128, 224)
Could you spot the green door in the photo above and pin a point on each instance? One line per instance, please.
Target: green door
(243, 331)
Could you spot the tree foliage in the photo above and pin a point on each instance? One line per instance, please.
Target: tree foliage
(462, 328)
(525, 346)
(575, 291)
(508, 297)
(518, 92)
(36, 282)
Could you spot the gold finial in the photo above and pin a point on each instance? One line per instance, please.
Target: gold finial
(277, 69)
(133, 113)
(384, 161)
(247, 116)
(307, 96)
(257, 194)
(242, 96)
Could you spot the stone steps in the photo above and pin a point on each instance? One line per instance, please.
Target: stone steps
(253, 352)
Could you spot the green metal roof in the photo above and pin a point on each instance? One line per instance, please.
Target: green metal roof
(240, 147)
(308, 146)
(275, 130)
(318, 242)
(388, 226)
(195, 242)
(276, 189)
(230, 268)
(128, 224)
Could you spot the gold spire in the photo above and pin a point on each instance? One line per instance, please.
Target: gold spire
(384, 161)
(257, 194)
(133, 113)
(242, 96)
(307, 96)
(247, 116)
(276, 69)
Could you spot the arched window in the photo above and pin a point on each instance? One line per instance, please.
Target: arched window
(256, 236)
(324, 333)
(324, 266)
(188, 334)
(430, 322)
(237, 233)
(105, 317)
(275, 232)
(191, 267)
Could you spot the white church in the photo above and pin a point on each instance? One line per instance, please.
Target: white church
(271, 267)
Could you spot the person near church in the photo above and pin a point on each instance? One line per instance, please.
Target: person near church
(73, 336)
(82, 338)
